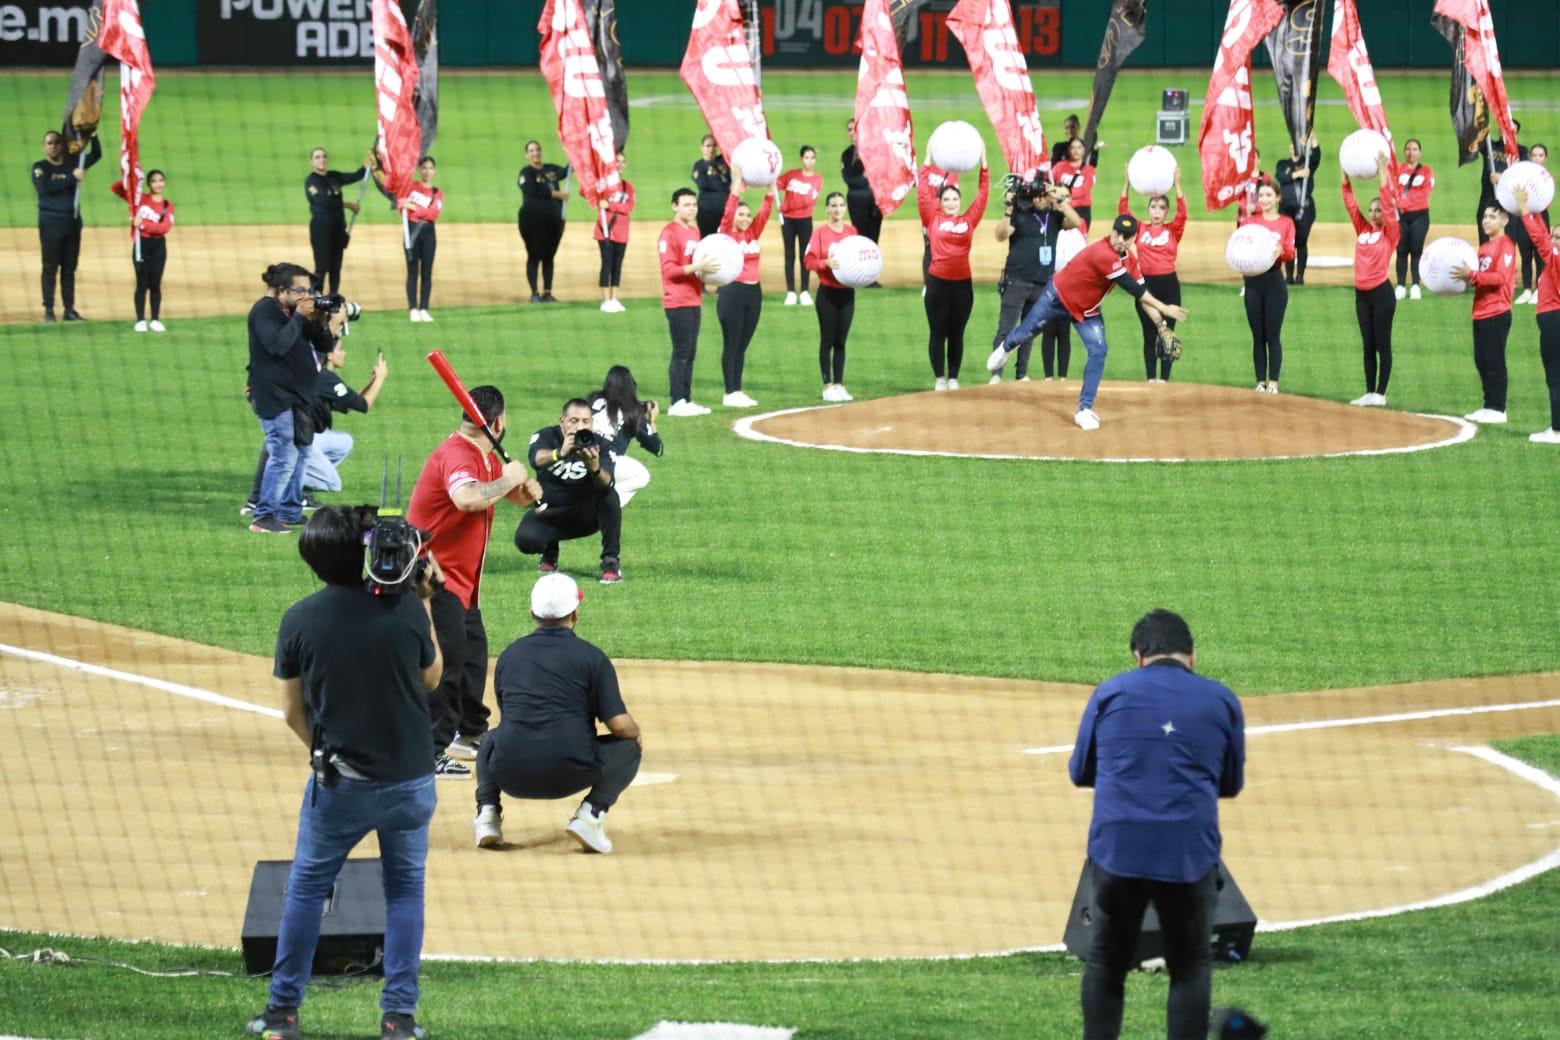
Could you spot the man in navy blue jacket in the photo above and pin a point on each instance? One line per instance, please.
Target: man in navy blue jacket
(1160, 745)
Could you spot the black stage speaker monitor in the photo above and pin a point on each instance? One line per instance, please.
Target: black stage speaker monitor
(352, 930)
(1234, 923)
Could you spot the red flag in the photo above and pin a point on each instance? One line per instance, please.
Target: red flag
(885, 138)
(984, 29)
(1227, 138)
(123, 37)
(1349, 64)
(395, 83)
(1482, 57)
(719, 71)
(568, 60)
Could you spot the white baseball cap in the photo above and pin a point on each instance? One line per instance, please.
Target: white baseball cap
(555, 596)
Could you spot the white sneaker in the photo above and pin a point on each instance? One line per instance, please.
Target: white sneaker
(589, 829)
(940, 385)
(1272, 388)
(141, 326)
(1522, 297)
(953, 384)
(1546, 437)
(1400, 292)
(737, 399)
(1413, 293)
(790, 299)
(1487, 417)
(996, 359)
(683, 409)
(1261, 388)
(842, 394)
(1087, 420)
(1364, 401)
(617, 306)
(425, 315)
(805, 299)
(414, 315)
(1243, 292)
(997, 378)
(606, 307)
(1533, 297)
(488, 826)
(156, 326)
(1025, 379)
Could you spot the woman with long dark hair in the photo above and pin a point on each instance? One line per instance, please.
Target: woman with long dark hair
(1416, 180)
(712, 177)
(1546, 244)
(153, 219)
(1076, 174)
(617, 207)
(799, 190)
(1376, 237)
(836, 302)
(950, 292)
(422, 208)
(542, 198)
(1158, 248)
(738, 304)
(1267, 294)
(618, 416)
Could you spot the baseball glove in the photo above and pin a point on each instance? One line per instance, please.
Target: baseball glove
(1169, 344)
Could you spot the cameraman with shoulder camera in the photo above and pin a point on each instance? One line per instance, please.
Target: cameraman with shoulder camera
(354, 670)
(1036, 213)
(578, 498)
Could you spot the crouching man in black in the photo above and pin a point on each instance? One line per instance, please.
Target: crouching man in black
(578, 498)
(552, 687)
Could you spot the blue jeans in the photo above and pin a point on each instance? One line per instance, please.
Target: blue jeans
(281, 488)
(1091, 330)
(331, 823)
(329, 450)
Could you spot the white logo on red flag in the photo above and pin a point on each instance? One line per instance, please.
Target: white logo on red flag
(984, 29)
(124, 38)
(568, 61)
(1228, 136)
(1349, 64)
(1482, 57)
(885, 138)
(719, 72)
(395, 84)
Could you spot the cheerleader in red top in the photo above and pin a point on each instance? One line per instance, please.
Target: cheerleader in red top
(799, 191)
(836, 302)
(1493, 284)
(1546, 245)
(950, 293)
(1415, 182)
(1158, 247)
(1077, 176)
(739, 303)
(154, 219)
(422, 207)
(931, 179)
(1267, 297)
(1376, 237)
(616, 206)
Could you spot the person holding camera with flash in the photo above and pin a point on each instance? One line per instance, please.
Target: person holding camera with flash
(1035, 213)
(576, 474)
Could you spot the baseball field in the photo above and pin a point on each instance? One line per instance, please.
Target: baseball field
(854, 668)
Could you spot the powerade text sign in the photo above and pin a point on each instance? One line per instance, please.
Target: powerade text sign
(285, 32)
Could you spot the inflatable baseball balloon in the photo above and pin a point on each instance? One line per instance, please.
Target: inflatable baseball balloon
(727, 253)
(1250, 249)
(1069, 243)
(758, 161)
(955, 146)
(1151, 171)
(1537, 181)
(1357, 155)
(861, 261)
(1440, 258)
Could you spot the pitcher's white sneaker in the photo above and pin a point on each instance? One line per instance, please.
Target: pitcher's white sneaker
(996, 378)
(1087, 420)
(488, 826)
(940, 385)
(1413, 293)
(141, 326)
(589, 829)
(1486, 417)
(790, 299)
(996, 359)
(1400, 292)
(805, 299)
(737, 399)
(1546, 437)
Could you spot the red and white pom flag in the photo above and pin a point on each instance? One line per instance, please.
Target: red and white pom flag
(123, 37)
(395, 84)
(885, 138)
(568, 60)
(1349, 64)
(984, 29)
(1227, 141)
(1482, 57)
(718, 69)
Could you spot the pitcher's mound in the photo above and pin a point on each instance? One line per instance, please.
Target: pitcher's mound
(1140, 422)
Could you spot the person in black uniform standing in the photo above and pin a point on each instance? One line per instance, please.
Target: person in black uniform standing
(578, 498)
(327, 215)
(1033, 216)
(859, 200)
(712, 177)
(1294, 176)
(542, 199)
(55, 178)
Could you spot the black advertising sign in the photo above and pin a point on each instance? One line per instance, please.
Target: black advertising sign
(39, 32)
(285, 32)
(810, 33)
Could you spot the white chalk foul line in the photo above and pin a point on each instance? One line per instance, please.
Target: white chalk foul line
(194, 693)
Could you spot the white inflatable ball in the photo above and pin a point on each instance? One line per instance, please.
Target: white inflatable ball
(1151, 170)
(1357, 155)
(955, 146)
(1538, 182)
(758, 161)
(861, 261)
(1250, 249)
(727, 253)
(1069, 243)
(1438, 261)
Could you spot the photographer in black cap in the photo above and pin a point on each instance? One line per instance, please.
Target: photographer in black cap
(575, 472)
(1035, 212)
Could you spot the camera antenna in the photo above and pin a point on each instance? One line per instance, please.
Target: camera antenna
(384, 482)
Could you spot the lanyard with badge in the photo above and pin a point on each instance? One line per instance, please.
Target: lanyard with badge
(1045, 252)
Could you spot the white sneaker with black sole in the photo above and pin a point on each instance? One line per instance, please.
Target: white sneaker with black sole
(446, 768)
(488, 826)
(588, 827)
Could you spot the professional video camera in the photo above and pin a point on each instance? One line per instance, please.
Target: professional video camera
(396, 562)
(330, 303)
(1026, 194)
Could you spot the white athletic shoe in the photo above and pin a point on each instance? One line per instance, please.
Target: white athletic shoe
(1272, 388)
(1364, 401)
(1486, 417)
(589, 829)
(1546, 437)
(617, 305)
(488, 826)
(1025, 379)
(1413, 293)
(141, 326)
(1243, 292)
(425, 315)
(996, 378)
(953, 384)
(940, 385)
(1261, 388)
(414, 315)
(1087, 420)
(805, 299)
(685, 408)
(156, 326)
(737, 399)
(996, 359)
(790, 299)
(606, 307)
(841, 394)
(1400, 292)
(1523, 296)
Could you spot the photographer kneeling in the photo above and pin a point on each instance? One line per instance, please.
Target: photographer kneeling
(578, 498)
(1035, 213)
(354, 671)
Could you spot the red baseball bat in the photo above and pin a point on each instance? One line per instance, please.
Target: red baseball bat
(442, 366)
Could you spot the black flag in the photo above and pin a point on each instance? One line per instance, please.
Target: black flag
(425, 44)
(84, 103)
(1123, 33)
(902, 14)
(1294, 47)
(601, 19)
(1470, 115)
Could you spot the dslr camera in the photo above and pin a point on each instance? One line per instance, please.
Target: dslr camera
(586, 438)
(396, 563)
(327, 304)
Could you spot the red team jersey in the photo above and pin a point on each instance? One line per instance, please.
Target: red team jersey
(817, 256)
(1414, 186)
(1158, 247)
(676, 247)
(459, 539)
(1077, 179)
(1495, 277)
(153, 219)
(951, 237)
(1094, 272)
(620, 204)
(424, 206)
(1281, 226)
(1549, 280)
(799, 194)
(748, 239)
(1374, 247)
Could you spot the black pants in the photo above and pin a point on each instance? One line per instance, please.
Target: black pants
(948, 305)
(1294, 270)
(1186, 917)
(611, 263)
(836, 310)
(419, 265)
(1374, 308)
(683, 323)
(1085, 214)
(1267, 297)
(1518, 234)
(738, 306)
(1549, 350)
(864, 214)
(541, 229)
(148, 275)
(1018, 296)
(710, 212)
(1415, 224)
(1166, 289)
(1489, 357)
(796, 232)
(1056, 347)
(60, 242)
(541, 530)
(531, 763)
(456, 705)
(328, 238)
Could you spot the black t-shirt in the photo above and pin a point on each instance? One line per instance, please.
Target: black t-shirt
(567, 482)
(56, 183)
(552, 685)
(360, 657)
(1032, 246)
(1294, 193)
(536, 188)
(335, 396)
(282, 369)
(324, 193)
(713, 179)
(854, 173)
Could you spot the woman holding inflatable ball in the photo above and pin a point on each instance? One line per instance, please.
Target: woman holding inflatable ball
(1266, 294)
(739, 303)
(1546, 245)
(1416, 180)
(1158, 247)
(1376, 237)
(950, 293)
(836, 301)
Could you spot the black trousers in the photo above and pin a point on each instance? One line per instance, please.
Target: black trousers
(456, 705)
(796, 232)
(1416, 225)
(541, 229)
(1166, 289)
(1518, 234)
(60, 243)
(611, 263)
(836, 310)
(1549, 350)
(683, 323)
(1186, 917)
(1489, 357)
(1294, 270)
(738, 306)
(541, 530)
(710, 212)
(530, 763)
(419, 265)
(864, 213)
(1374, 308)
(1267, 297)
(1056, 347)
(328, 238)
(148, 275)
(948, 305)
(1018, 296)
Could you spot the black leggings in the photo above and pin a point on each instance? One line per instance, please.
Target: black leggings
(1166, 289)
(328, 238)
(836, 308)
(611, 263)
(541, 231)
(1294, 270)
(1267, 297)
(711, 210)
(1374, 308)
(1518, 234)
(1549, 350)
(148, 275)
(60, 243)
(1489, 357)
(683, 323)
(864, 214)
(948, 305)
(796, 232)
(1056, 347)
(738, 306)
(1415, 224)
(419, 265)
